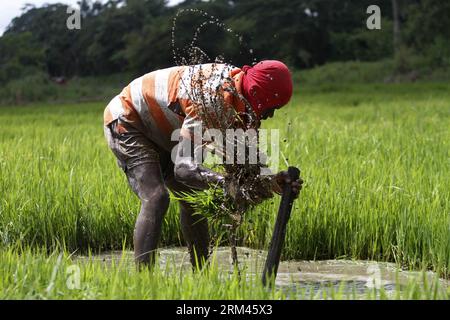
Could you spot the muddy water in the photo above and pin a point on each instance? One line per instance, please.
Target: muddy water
(301, 278)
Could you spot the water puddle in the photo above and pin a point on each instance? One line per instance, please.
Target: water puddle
(304, 278)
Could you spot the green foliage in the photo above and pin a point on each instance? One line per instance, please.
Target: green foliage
(208, 202)
(20, 56)
(374, 159)
(38, 87)
(333, 76)
(38, 275)
(152, 53)
(428, 29)
(135, 36)
(47, 25)
(33, 87)
(363, 44)
(438, 53)
(337, 73)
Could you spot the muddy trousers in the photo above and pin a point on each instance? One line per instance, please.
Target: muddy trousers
(149, 171)
(154, 204)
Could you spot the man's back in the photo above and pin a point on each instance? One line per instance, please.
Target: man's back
(165, 100)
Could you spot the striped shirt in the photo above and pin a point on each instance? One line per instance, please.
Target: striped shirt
(165, 100)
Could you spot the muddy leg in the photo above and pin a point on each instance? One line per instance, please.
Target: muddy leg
(147, 182)
(195, 233)
(194, 227)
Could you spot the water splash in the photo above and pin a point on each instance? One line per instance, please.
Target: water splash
(193, 54)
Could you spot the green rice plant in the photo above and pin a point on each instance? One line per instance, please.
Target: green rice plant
(36, 274)
(375, 160)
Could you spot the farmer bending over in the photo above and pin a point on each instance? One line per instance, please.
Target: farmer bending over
(138, 126)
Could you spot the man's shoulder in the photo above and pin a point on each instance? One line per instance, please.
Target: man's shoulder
(167, 70)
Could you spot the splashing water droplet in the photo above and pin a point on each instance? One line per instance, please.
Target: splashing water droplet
(193, 54)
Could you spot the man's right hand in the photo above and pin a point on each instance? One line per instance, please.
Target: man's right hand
(281, 179)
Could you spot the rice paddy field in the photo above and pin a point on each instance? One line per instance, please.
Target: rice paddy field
(376, 164)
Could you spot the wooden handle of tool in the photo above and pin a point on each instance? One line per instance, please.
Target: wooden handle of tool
(279, 233)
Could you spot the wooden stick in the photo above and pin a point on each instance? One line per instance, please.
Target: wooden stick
(279, 233)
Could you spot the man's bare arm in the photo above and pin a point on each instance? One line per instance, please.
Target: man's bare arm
(190, 172)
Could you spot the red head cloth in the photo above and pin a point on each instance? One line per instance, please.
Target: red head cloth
(267, 85)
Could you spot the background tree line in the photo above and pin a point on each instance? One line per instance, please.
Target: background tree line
(135, 36)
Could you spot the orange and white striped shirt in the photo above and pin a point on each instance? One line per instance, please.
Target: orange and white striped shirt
(161, 101)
